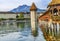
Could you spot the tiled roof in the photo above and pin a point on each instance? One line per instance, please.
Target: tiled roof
(33, 7)
(54, 2)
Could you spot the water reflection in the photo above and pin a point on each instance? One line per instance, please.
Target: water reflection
(20, 25)
(18, 31)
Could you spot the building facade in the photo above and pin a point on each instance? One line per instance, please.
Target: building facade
(12, 15)
(7, 15)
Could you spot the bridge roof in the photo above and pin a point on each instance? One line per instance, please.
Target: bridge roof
(54, 2)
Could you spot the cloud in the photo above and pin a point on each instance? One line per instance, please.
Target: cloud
(43, 4)
(6, 5)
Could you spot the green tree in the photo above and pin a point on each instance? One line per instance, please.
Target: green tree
(21, 16)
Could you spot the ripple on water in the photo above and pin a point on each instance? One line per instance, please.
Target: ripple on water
(23, 35)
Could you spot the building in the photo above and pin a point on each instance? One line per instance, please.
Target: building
(7, 15)
(12, 15)
(52, 18)
(33, 14)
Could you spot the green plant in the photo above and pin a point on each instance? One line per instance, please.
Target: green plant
(21, 16)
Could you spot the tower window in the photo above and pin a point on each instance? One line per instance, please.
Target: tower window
(55, 11)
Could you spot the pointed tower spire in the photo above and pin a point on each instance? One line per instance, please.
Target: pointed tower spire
(33, 7)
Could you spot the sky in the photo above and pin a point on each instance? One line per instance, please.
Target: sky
(7, 5)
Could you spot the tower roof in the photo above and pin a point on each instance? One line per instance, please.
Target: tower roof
(54, 2)
(33, 7)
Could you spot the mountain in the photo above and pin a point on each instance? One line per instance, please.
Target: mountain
(25, 8)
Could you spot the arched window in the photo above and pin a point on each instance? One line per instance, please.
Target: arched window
(55, 11)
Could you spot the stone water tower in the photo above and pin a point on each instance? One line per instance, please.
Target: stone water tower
(33, 13)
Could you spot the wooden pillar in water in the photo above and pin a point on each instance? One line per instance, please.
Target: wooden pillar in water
(57, 28)
(49, 25)
(52, 29)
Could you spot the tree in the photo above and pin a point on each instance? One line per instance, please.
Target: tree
(21, 16)
(17, 16)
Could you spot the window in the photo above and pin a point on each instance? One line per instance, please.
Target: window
(55, 11)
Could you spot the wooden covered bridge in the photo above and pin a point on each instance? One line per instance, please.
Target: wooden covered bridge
(50, 21)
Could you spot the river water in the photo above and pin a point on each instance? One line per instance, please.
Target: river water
(18, 31)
